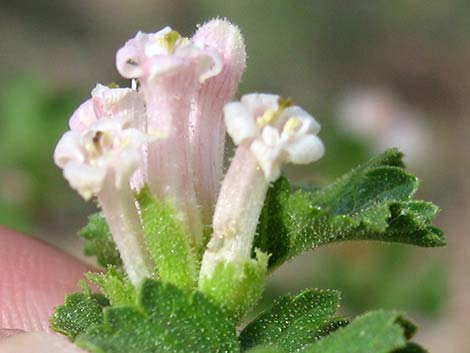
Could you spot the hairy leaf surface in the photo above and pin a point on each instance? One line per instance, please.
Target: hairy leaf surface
(166, 319)
(372, 202)
(99, 242)
(294, 321)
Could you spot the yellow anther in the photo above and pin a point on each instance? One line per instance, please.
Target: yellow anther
(170, 39)
(291, 125)
(113, 85)
(125, 142)
(285, 102)
(90, 148)
(269, 117)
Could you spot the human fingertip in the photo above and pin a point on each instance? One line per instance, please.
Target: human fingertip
(38, 342)
(8, 332)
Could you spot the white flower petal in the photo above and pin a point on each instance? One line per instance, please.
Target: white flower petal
(258, 103)
(115, 123)
(239, 122)
(99, 90)
(164, 65)
(129, 60)
(270, 136)
(83, 116)
(125, 166)
(268, 159)
(112, 96)
(87, 180)
(153, 42)
(68, 148)
(306, 149)
(209, 64)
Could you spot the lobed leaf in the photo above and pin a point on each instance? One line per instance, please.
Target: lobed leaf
(79, 312)
(166, 319)
(294, 321)
(372, 202)
(374, 332)
(411, 348)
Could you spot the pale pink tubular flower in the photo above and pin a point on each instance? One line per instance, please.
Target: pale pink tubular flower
(107, 102)
(206, 122)
(269, 131)
(98, 157)
(170, 70)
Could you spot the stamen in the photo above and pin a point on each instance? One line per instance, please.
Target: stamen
(268, 118)
(271, 116)
(285, 102)
(170, 39)
(96, 139)
(291, 126)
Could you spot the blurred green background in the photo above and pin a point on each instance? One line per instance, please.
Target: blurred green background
(375, 74)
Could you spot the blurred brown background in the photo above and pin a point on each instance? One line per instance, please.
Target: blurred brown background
(375, 74)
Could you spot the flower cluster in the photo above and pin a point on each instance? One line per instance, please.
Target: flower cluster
(168, 132)
(103, 143)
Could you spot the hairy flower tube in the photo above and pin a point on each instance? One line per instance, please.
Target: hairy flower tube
(207, 127)
(269, 131)
(170, 70)
(98, 157)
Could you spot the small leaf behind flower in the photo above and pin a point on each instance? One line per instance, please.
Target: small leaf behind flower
(372, 202)
(99, 242)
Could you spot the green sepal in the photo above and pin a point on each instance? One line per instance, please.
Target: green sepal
(79, 312)
(164, 319)
(294, 321)
(115, 286)
(167, 241)
(372, 202)
(99, 241)
(236, 286)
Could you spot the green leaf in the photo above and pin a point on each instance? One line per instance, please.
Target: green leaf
(167, 241)
(411, 348)
(99, 241)
(267, 349)
(374, 332)
(79, 312)
(372, 202)
(166, 319)
(115, 286)
(294, 321)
